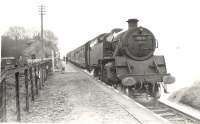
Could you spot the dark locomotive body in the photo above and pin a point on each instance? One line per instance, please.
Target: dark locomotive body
(126, 60)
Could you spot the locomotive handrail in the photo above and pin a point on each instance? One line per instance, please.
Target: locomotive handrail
(149, 74)
(156, 43)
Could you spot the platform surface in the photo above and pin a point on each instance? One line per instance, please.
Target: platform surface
(75, 97)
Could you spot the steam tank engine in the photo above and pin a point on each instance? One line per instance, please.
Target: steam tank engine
(135, 64)
(127, 60)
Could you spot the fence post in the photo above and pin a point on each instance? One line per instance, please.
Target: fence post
(26, 86)
(45, 71)
(42, 75)
(17, 96)
(36, 79)
(50, 67)
(4, 100)
(31, 78)
(39, 73)
(53, 62)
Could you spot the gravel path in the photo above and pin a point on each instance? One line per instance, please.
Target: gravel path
(71, 97)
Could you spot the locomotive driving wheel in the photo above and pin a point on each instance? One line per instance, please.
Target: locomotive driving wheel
(96, 72)
(156, 90)
(102, 71)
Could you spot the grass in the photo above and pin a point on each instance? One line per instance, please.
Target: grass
(189, 96)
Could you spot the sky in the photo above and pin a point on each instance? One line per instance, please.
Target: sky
(175, 24)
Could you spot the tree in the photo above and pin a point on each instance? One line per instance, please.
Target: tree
(16, 33)
(49, 36)
(19, 42)
(35, 45)
(50, 40)
(14, 42)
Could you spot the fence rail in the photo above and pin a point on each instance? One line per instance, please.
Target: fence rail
(35, 74)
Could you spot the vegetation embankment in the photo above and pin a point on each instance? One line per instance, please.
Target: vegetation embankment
(189, 96)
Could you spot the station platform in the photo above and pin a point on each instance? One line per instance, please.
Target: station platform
(74, 97)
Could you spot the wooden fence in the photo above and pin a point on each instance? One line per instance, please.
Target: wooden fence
(34, 74)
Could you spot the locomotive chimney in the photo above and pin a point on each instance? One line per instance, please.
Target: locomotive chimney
(132, 23)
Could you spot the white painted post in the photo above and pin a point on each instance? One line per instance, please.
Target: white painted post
(53, 61)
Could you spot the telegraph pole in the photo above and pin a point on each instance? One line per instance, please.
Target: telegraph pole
(41, 13)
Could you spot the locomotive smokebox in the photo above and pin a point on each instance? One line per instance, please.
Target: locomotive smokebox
(132, 23)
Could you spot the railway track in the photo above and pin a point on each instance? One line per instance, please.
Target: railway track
(168, 112)
(174, 115)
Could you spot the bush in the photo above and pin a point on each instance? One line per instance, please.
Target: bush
(189, 96)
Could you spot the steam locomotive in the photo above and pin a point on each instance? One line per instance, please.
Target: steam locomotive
(126, 60)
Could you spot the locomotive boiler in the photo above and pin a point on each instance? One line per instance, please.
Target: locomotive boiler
(126, 60)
